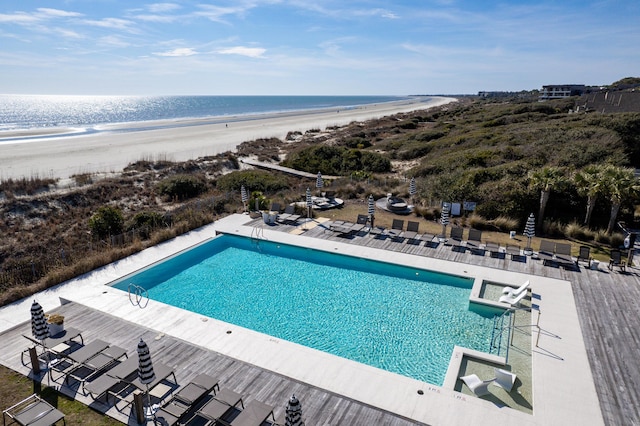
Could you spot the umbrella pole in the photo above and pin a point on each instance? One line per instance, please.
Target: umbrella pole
(149, 402)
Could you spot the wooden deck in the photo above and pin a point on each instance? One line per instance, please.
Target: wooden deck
(188, 360)
(608, 308)
(607, 305)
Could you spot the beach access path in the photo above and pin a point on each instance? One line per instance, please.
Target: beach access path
(110, 148)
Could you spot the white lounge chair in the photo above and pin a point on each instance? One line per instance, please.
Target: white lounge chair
(505, 379)
(477, 386)
(513, 300)
(516, 291)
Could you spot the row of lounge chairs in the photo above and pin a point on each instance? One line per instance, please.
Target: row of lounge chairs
(503, 378)
(219, 407)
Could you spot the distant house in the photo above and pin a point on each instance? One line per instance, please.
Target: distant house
(559, 91)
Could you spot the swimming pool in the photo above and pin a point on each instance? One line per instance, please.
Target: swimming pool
(396, 318)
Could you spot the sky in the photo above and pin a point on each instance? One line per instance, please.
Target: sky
(313, 47)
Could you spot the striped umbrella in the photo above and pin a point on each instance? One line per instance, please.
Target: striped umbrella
(530, 230)
(293, 415)
(309, 202)
(319, 181)
(245, 197)
(412, 187)
(444, 217)
(145, 368)
(372, 209)
(39, 326)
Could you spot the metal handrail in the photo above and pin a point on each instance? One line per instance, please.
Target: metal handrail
(140, 294)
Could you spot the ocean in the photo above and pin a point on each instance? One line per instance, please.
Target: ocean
(26, 112)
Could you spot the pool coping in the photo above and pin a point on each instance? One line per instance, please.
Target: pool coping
(562, 377)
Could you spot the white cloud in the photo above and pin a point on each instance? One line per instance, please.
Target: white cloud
(163, 7)
(181, 51)
(114, 41)
(57, 13)
(252, 52)
(113, 23)
(18, 18)
(66, 33)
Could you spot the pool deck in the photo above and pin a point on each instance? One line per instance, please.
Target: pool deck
(588, 321)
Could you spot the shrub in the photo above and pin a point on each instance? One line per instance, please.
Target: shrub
(182, 187)
(553, 228)
(477, 222)
(253, 180)
(106, 221)
(578, 232)
(505, 224)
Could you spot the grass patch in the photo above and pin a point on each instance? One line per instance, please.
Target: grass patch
(16, 387)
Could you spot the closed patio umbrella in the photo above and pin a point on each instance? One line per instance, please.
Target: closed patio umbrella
(245, 198)
(145, 369)
(371, 209)
(530, 232)
(293, 415)
(39, 326)
(309, 202)
(444, 218)
(319, 181)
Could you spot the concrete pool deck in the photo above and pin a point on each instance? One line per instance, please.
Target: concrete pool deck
(563, 388)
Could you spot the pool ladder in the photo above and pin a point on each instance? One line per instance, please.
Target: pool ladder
(257, 234)
(498, 331)
(138, 296)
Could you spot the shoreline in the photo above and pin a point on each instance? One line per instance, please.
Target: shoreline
(111, 147)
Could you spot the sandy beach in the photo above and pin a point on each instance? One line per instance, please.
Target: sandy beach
(113, 147)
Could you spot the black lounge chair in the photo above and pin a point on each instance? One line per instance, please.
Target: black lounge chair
(220, 405)
(584, 255)
(546, 251)
(455, 237)
(396, 230)
(513, 250)
(474, 241)
(494, 248)
(186, 397)
(411, 233)
(33, 411)
(616, 260)
(68, 363)
(254, 414)
(377, 231)
(563, 254)
(428, 239)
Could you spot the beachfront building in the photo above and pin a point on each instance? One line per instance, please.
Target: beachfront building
(559, 91)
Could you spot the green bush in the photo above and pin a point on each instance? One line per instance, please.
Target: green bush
(106, 221)
(335, 160)
(182, 187)
(253, 180)
(579, 232)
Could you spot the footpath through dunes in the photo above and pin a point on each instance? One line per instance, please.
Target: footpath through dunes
(116, 146)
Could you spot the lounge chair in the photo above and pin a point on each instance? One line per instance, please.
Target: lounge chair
(254, 414)
(616, 260)
(275, 207)
(477, 386)
(493, 248)
(513, 300)
(222, 403)
(110, 380)
(516, 291)
(188, 396)
(474, 241)
(513, 250)
(563, 254)
(505, 379)
(428, 239)
(66, 337)
(377, 231)
(546, 251)
(455, 237)
(397, 227)
(33, 411)
(584, 255)
(412, 230)
(289, 215)
(68, 363)
(125, 393)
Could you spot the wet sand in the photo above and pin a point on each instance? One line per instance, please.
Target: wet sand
(113, 147)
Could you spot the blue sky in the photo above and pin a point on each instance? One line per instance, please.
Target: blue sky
(319, 47)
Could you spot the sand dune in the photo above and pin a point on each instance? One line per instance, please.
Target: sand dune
(115, 146)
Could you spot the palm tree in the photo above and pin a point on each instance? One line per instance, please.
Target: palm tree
(589, 183)
(620, 183)
(545, 180)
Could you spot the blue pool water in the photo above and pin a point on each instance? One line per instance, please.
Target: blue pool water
(396, 318)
